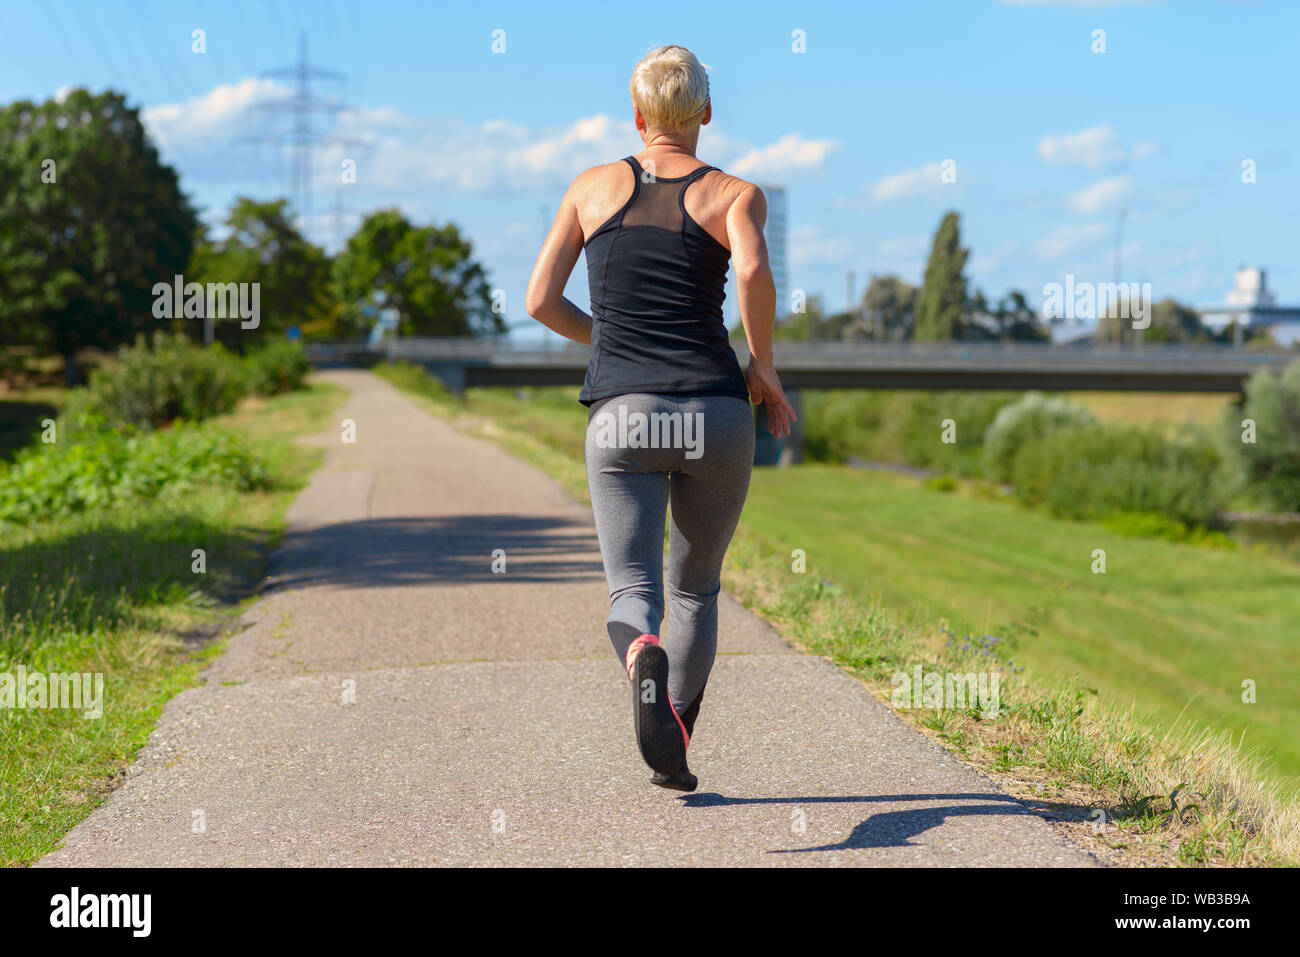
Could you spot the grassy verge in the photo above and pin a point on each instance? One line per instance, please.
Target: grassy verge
(114, 592)
(891, 563)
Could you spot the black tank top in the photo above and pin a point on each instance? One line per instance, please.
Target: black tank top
(657, 281)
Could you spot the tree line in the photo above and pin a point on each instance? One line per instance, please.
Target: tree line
(92, 219)
(945, 306)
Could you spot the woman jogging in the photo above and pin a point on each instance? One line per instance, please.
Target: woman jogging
(670, 426)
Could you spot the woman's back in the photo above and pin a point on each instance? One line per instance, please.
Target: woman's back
(657, 276)
(670, 418)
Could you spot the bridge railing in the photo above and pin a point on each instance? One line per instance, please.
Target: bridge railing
(822, 354)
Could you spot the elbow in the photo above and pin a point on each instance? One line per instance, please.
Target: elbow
(534, 302)
(751, 272)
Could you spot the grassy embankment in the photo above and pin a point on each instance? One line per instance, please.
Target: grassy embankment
(1131, 700)
(112, 591)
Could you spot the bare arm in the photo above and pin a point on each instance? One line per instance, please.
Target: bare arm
(757, 295)
(545, 300)
(755, 288)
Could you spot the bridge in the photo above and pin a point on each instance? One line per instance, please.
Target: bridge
(463, 363)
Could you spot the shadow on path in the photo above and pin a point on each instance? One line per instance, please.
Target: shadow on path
(896, 828)
(445, 550)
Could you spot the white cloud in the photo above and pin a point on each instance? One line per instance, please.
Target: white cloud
(790, 152)
(1142, 150)
(399, 151)
(807, 244)
(1067, 239)
(1100, 194)
(912, 182)
(211, 121)
(1090, 147)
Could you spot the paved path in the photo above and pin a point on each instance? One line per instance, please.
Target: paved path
(491, 723)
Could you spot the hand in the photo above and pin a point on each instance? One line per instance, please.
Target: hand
(765, 387)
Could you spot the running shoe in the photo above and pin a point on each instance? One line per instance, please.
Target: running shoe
(660, 735)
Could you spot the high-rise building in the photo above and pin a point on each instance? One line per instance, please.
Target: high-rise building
(775, 232)
(776, 245)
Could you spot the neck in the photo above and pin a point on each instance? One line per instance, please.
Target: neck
(683, 143)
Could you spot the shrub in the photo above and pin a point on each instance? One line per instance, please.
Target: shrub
(900, 427)
(1270, 466)
(107, 469)
(156, 382)
(971, 413)
(1026, 420)
(1154, 525)
(277, 367)
(1098, 470)
(843, 424)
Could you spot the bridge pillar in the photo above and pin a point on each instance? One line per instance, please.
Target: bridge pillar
(451, 376)
(769, 450)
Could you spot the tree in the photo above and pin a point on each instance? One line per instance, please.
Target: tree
(1017, 321)
(265, 247)
(888, 305)
(426, 273)
(90, 220)
(943, 292)
(1170, 322)
(1265, 437)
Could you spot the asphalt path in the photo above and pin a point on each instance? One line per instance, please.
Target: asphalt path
(395, 700)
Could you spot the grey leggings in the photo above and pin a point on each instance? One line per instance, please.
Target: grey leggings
(644, 452)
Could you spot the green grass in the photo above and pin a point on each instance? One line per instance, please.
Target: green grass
(112, 591)
(1133, 688)
(1169, 627)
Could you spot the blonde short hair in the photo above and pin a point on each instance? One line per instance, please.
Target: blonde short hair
(670, 88)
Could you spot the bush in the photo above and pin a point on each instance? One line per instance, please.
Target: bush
(1270, 466)
(157, 382)
(971, 413)
(107, 469)
(1099, 470)
(1153, 525)
(277, 367)
(843, 424)
(1026, 420)
(900, 427)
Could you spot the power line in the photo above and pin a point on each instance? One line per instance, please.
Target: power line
(301, 105)
(162, 46)
(100, 48)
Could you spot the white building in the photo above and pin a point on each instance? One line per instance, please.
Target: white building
(1252, 304)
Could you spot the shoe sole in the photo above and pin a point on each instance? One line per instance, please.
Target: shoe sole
(678, 782)
(659, 733)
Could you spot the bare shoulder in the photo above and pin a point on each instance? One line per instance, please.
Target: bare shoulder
(597, 179)
(740, 194)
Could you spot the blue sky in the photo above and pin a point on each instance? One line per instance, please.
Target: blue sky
(1049, 139)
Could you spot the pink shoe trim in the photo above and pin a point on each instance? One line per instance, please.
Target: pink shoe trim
(634, 649)
(685, 737)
